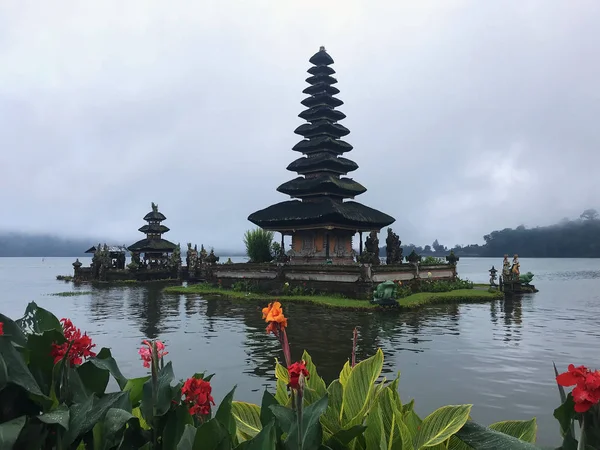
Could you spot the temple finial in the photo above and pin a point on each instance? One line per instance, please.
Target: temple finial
(322, 48)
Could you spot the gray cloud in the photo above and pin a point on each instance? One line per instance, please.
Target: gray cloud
(465, 116)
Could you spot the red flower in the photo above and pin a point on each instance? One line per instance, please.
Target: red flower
(294, 372)
(1, 328)
(146, 352)
(586, 392)
(81, 345)
(197, 396)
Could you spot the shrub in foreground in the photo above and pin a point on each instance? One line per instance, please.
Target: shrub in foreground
(53, 395)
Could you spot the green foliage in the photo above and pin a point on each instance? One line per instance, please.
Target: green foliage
(426, 285)
(259, 244)
(71, 293)
(64, 406)
(432, 261)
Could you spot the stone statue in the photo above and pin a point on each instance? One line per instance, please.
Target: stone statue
(516, 266)
(371, 253)
(385, 294)
(452, 258)
(211, 258)
(175, 259)
(393, 248)
(192, 260)
(526, 278)
(505, 269)
(187, 254)
(203, 254)
(493, 276)
(135, 263)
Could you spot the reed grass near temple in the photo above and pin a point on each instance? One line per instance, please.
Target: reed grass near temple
(71, 293)
(412, 301)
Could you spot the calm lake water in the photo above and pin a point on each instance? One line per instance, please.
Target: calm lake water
(496, 356)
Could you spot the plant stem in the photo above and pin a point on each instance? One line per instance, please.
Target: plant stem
(354, 343)
(300, 394)
(286, 348)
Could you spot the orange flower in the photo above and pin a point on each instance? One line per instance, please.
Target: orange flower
(274, 313)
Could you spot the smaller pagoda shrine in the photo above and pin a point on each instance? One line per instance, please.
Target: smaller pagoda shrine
(156, 251)
(320, 217)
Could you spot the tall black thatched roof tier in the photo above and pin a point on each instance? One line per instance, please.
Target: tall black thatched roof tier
(326, 212)
(324, 162)
(329, 185)
(320, 185)
(152, 245)
(154, 228)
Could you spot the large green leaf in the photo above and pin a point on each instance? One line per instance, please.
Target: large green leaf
(187, 438)
(482, 438)
(359, 389)
(164, 394)
(93, 378)
(13, 331)
(331, 420)
(266, 439)
(224, 415)
(441, 424)
(565, 414)
(174, 428)
(310, 436)
(105, 361)
(38, 320)
(59, 415)
(17, 371)
(3, 373)
(345, 373)
(375, 433)
(212, 436)
(84, 416)
(281, 391)
(393, 388)
(109, 432)
(284, 417)
(385, 427)
(9, 432)
(525, 430)
(247, 419)
(135, 387)
(315, 386)
(341, 439)
(266, 415)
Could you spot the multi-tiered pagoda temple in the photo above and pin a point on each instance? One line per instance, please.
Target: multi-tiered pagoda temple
(320, 221)
(155, 249)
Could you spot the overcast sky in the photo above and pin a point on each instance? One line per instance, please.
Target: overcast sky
(465, 116)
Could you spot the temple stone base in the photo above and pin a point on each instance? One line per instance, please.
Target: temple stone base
(352, 281)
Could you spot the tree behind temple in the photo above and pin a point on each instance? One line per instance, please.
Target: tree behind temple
(259, 243)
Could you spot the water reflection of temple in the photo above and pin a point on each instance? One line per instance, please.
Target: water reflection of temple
(509, 312)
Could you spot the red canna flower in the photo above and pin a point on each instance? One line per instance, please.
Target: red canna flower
(294, 372)
(81, 345)
(586, 392)
(1, 328)
(145, 351)
(198, 396)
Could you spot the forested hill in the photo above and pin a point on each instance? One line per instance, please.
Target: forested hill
(21, 244)
(578, 238)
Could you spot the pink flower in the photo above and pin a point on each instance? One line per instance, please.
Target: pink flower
(145, 351)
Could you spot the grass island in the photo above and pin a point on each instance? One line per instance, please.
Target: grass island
(476, 295)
